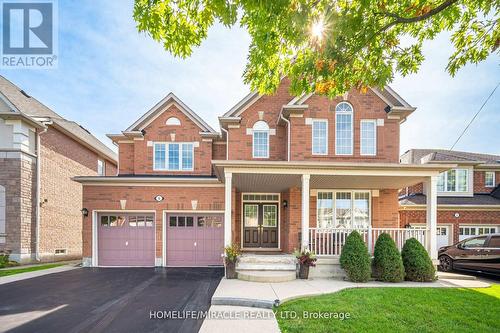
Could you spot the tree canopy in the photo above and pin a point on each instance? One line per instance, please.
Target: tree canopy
(327, 46)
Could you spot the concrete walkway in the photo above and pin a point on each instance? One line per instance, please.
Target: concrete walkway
(246, 307)
(265, 295)
(29, 275)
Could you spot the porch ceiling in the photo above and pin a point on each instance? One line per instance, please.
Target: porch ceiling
(278, 176)
(248, 182)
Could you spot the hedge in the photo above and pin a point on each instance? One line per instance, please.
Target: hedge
(387, 262)
(417, 263)
(355, 259)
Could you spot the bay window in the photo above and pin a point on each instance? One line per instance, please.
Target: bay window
(343, 209)
(455, 180)
(173, 156)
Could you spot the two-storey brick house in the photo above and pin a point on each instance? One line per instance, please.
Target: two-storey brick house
(40, 153)
(468, 202)
(285, 172)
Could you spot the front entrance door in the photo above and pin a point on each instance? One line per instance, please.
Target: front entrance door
(260, 225)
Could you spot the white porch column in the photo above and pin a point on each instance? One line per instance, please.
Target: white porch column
(227, 208)
(431, 188)
(305, 210)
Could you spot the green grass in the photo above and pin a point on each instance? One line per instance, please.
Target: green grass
(6, 272)
(398, 310)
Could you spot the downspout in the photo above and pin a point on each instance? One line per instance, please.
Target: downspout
(227, 142)
(38, 184)
(288, 135)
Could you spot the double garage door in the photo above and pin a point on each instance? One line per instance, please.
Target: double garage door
(129, 239)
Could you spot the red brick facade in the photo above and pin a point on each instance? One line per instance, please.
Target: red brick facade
(136, 159)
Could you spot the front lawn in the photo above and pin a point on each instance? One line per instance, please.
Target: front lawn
(6, 272)
(395, 309)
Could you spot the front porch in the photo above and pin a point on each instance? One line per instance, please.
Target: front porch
(281, 206)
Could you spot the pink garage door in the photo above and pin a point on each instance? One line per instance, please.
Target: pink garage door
(195, 240)
(126, 239)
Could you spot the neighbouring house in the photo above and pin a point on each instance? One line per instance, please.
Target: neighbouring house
(284, 172)
(40, 152)
(468, 201)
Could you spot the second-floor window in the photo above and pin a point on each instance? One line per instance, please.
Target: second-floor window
(489, 179)
(319, 137)
(456, 180)
(343, 129)
(101, 168)
(368, 137)
(173, 156)
(260, 132)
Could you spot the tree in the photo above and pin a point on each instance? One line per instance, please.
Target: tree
(326, 46)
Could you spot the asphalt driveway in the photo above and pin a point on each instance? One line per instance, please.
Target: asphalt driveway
(108, 300)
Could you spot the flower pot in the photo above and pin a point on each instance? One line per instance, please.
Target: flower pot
(231, 270)
(304, 272)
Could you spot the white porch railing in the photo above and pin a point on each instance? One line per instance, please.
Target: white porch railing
(329, 241)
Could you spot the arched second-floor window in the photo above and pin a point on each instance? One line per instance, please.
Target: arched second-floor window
(343, 129)
(260, 144)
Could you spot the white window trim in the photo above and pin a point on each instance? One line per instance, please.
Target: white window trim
(103, 167)
(155, 168)
(253, 141)
(468, 184)
(494, 180)
(334, 194)
(374, 122)
(352, 129)
(312, 136)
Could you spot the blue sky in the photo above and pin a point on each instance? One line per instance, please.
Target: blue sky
(109, 75)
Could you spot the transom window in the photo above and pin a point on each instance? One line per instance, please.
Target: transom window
(138, 220)
(260, 197)
(319, 137)
(368, 137)
(343, 129)
(343, 209)
(173, 156)
(260, 139)
(489, 179)
(456, 180)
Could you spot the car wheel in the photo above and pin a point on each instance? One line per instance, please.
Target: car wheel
(445, 263)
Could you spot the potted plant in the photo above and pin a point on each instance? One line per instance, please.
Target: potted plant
(231, 254)
(306, 259)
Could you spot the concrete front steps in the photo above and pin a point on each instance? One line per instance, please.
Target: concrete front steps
(266, 268)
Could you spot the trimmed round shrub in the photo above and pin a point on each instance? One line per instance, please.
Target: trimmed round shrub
(387, 263)
(355, 259)
(418, 265)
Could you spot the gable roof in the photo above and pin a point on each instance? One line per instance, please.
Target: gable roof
(422, 156)
(160, 107)
(31, 109)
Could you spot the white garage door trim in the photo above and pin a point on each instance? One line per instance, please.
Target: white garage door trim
(95, 236)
